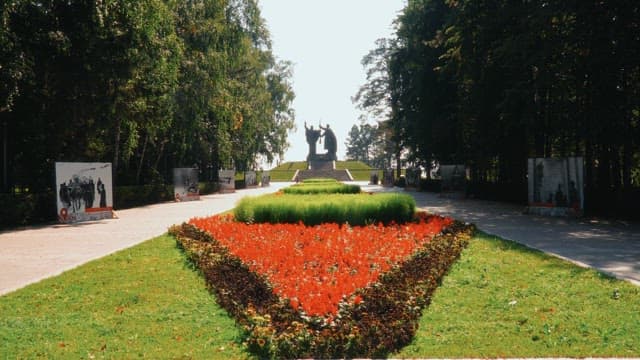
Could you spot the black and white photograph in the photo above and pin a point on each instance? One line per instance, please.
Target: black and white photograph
(185, 184)
(84, 191)
(556, 183)
(227, 180)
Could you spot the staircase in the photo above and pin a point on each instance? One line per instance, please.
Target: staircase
(323, 169)
(340, 175)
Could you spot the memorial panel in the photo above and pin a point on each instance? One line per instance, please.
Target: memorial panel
(84, 191)
(453, 178)
(250, 179)
(185, 184)
(266, 179)
(556, 186)
(227, 180)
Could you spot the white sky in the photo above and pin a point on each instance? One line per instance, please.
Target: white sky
(326, 40)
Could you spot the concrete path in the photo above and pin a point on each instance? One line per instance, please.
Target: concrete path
(33, 254)
(611, 247)
(30, 255)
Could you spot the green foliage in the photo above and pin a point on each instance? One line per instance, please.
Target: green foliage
(355, 209)
(492, 83)
(148, 85)
(385, 321)
(321, 186)
(25, 209)
(323, 181)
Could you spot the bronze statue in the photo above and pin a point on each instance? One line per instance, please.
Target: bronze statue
(330, 143)
(312, 137)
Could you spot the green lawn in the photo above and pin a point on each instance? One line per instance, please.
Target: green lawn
(285, 172)
(504, 300)
(141, 302)
(500, 299)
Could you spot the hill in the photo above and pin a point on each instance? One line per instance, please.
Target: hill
(284, 172)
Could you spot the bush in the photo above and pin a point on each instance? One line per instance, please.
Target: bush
(322, 186)
(355, 209)
(27, 209)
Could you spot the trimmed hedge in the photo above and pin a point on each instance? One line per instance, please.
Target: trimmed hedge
(322, 186)
(383, 322)
(355, 209)
(27, 209)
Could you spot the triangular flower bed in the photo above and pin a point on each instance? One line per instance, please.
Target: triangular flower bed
(324, 291)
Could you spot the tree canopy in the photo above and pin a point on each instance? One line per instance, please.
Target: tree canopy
(491, 83)
(147, 85)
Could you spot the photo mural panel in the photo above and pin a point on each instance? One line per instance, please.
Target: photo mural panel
(412, 176)
(185, 184)
(388, 178)
(453, 177)
(84, 191)
(556, 183)
(250, 179)
(227, 180)
(266, 179)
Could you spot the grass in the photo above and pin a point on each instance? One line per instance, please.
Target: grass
(504, 300)
(499, 300)
(141, 302)
(359, 170)
(285, 171)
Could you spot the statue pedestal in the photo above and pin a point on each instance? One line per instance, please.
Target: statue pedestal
(318, 164)
(322, 166)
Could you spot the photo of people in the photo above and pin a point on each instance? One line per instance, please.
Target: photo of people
(84, 191)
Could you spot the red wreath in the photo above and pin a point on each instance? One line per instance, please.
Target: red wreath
(64, 213)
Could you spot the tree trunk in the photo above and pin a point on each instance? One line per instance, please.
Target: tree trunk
(5, 181)
(160, 153)
(141, 162)
(116, 150)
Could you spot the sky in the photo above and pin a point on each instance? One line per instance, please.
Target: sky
(326, 40)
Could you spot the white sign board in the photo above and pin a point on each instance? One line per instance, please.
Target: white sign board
(84, 190)
(387, 178)
(266, 179)
(227, 180)
(185, 184)
(556, 184)
(413, 177)
(250, 179)
(452, 178)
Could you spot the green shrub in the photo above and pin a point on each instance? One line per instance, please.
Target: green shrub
(27, 209)
(355, 209)
(319, 180)
(322, 186)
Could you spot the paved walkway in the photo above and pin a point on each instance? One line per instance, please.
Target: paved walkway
(611, 247)
(30, 255)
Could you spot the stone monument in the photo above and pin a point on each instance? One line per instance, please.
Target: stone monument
(322, 164)
(330, 143)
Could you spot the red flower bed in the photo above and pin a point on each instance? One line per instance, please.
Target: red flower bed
(318, 267)
(325, 291)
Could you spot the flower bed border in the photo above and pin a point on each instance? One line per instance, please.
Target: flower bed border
(382, 320)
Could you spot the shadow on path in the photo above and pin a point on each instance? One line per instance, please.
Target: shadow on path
(611, 247)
